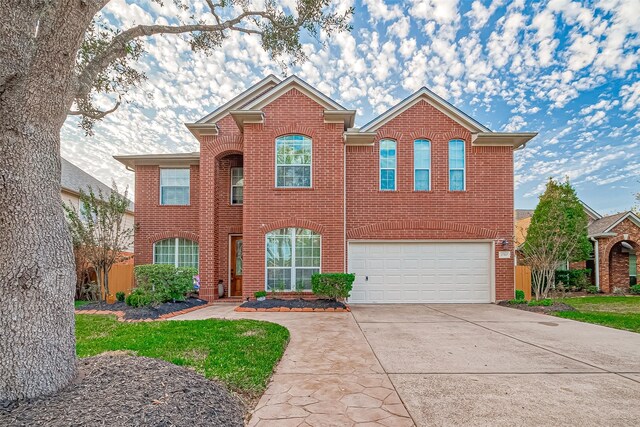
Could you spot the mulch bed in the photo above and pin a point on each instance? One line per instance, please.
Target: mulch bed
(556, 306)
(137, 313)
(276, 304)
(115, 389)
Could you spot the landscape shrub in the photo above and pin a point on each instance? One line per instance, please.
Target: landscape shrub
(260, 294)
(635, 289)
(519, 295)
(573, 280)
(543, 302)
(163, 282)
(592, 290)
(332, 285)
(139, 298)
(120, 296)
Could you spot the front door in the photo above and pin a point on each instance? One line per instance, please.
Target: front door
(235, 265)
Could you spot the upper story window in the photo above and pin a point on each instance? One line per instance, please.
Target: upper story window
(237, 185)
(456, 165)
(293, 161)
(176, 251)
(387, 165)
(422, 165)
(174, 186)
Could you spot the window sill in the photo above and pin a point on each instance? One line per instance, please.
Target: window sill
(173, 206)
(293, 188)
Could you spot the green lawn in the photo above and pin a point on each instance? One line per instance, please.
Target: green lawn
(80, 303)
(620, 312)
(240, 353)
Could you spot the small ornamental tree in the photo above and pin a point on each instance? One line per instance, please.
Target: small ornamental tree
(558, 233)
(99, 232)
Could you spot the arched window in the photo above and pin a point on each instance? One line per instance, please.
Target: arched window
(422, 165)
(293, 161)
(457, 170)
(387, 165)
(176, 251)
(293, 255)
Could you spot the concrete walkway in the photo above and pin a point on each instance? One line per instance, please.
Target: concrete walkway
(490, 365)
(328, 376)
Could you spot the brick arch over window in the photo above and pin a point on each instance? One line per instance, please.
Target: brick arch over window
(293, 223)
(173, 234)
(423, 134)
(633, 240)
(222, 146)
(456, 134)
(293, 130)
(471, 230)
(389, 134)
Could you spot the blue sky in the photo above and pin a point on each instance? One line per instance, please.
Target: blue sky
(569, 70)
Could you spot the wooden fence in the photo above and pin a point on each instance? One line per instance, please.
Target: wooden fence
(120, 280)
(523, 280)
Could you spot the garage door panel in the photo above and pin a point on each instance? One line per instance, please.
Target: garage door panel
(420, 272)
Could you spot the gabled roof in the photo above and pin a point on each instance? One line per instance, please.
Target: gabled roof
(285, 86)
(605, 224)
(436, 101)
(73, 180)
(239, 101)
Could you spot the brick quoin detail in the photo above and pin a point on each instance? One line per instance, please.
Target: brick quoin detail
(483, 212)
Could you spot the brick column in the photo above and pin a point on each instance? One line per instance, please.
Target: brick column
(208, 285)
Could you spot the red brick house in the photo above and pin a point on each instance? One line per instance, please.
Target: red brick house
(418, 203)
(616, 242)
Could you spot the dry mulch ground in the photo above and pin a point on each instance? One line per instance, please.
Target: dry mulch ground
(293, 303)
(115, 389)
(151, 312)
(556, 306)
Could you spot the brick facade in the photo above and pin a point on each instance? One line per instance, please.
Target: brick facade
(613, 264)
(483, 212)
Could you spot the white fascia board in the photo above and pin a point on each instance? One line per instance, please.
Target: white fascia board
(240, 99)
(288, 84)
(513, 139)
(437, 102)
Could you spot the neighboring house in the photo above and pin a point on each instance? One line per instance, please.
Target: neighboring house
(74, 179)
(616, 241)
(418, 203)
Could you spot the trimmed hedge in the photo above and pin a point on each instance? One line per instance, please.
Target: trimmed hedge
(577, 279)
(158, 283)
(332, 285)
(519, 295)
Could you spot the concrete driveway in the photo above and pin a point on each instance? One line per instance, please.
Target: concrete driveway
(490, 365)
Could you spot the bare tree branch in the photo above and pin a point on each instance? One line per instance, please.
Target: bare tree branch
(94, 114)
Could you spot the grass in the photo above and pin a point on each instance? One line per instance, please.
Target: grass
(240, 353)
(620, 312)
(79, 303)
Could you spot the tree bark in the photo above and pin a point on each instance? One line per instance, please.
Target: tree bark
(39, 40)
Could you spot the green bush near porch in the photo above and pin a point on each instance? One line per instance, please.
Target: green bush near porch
(158, 283)
(332, 285)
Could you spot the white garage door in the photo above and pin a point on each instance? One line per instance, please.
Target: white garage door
(420, 272)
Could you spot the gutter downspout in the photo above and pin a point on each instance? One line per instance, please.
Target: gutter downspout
(597, 261)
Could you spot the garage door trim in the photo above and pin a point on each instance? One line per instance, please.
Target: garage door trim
(492, 254)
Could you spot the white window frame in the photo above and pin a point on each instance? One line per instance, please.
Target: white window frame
(310, 165)
(235, 186)
(188, 192)
(421, 169)
(464, 164)
(293, 260)
(176, 249)
(395, 165)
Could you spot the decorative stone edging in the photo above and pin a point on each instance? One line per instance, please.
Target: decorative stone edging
(287, 309)
(120, 314)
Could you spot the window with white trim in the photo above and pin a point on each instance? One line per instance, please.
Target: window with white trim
(176, 251)
(387, 165)
(174, 186)
(456, 165)
(237, 185)
(422, 165)
(293, 161)
(293, 255)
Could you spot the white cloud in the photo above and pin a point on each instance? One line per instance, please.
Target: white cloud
(630, 95)
(479, 14)
(379, 10)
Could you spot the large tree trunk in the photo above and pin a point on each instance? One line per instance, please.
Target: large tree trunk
(37, 341)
